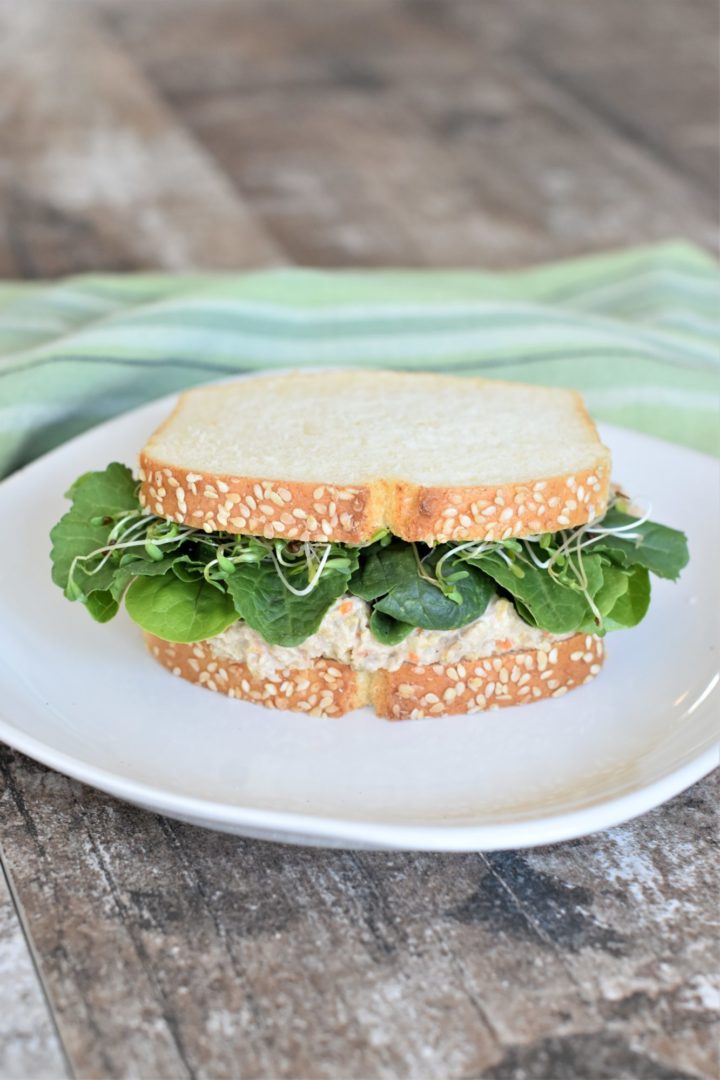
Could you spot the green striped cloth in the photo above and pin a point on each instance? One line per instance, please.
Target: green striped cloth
(638, 333)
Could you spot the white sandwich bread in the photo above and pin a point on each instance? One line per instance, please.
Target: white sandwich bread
(424, 544)
(339, 455)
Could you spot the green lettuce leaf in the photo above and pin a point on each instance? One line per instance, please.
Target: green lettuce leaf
(102, 606)
(382, 568)
(185, 585)
(631, 606)
(127, 572)
(420, 603)
(661, 550)
(390, 576)
(386, 630)
(105, 492)
(264, 603)
(615, 582)
(552, 606)
(97, 497)
(178, 610)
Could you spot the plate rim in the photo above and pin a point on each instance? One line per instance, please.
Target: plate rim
(526, 833)
(303, 828)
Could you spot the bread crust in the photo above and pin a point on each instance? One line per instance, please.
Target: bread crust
(292, 510)
(251, 506)
(330, 688)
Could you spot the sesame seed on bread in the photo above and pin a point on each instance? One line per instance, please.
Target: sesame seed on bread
(339, 455)
(331, 688)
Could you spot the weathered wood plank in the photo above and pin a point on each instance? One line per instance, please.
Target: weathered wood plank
(87, 950)
(412, 133)
(29, 1045)
(96, 173)
(172, 951)
(647, 69)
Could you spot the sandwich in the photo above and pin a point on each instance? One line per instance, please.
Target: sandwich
(317, 542)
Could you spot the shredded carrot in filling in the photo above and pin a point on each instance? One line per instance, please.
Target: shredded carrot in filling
(503, 643)
(346, 607)
(413, 658)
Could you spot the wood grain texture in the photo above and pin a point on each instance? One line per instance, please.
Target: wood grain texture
(428, 133)
(170, 951)
(96, 173)
(29, 1045)
(238, 133)
(664, 106)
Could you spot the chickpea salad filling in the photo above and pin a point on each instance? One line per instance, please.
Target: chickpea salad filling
(344, 634)
(374, 605)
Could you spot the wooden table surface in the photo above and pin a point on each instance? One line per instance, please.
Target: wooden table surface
(238, 133)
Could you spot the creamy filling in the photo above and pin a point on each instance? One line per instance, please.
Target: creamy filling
(345, 635)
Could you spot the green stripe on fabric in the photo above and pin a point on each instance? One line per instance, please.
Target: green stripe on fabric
(638, 332)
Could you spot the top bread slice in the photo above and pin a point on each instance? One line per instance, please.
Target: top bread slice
(339, 455)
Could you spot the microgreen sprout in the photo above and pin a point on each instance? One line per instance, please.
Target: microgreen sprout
(188, 581)
(300, 565)
(157, 532)
(313, 580)
(564, 563)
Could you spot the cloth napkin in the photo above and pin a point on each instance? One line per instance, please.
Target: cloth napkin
(637, 332)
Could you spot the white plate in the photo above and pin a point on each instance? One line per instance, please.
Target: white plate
(88, 701)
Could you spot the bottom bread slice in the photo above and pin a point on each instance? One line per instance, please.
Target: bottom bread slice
(330, 688)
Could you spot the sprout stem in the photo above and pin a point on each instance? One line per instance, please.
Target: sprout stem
(313, 581)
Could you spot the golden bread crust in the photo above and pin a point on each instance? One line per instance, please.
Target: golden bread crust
(253, 507)
(436, 515)
(292, 510)
(330, 688)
